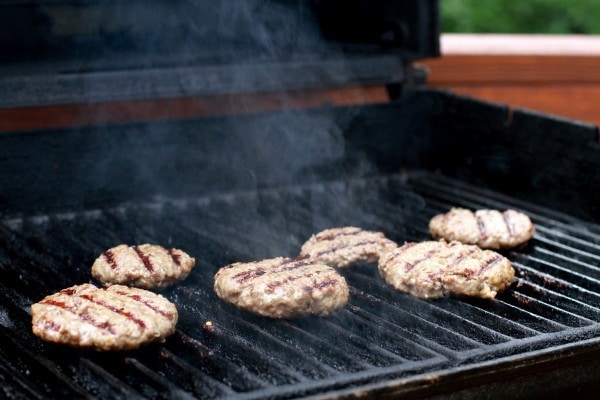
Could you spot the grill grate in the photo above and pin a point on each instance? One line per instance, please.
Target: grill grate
(380, 335)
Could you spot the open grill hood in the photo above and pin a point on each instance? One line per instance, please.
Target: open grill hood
(64, 52)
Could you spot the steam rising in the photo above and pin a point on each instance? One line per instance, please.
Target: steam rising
(254, 41)
(174, 49)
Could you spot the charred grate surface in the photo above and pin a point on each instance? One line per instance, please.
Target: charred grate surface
(380, 335)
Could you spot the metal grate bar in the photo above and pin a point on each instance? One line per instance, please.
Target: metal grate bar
(518, 314)
(261, 365)
(383, 322)
(586, 243)
(428, 311)
(416, 325)
(581, 255)
(445, 196)
(574, 264)
(166, 389)
(23, 362)
(573, 278)
(381, 333)
(90, 374)
(375, 354)
(196, 382)
(555, 284)
(233, 375)
(552, 313)
(335, 358)
(493, 199)
(461, 309)
(541, 308)
(389, 338)
(14, 386)
(269, 341)
(236, 379)
(558, 300)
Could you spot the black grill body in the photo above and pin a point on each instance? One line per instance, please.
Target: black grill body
(191, 184)
(253, 186)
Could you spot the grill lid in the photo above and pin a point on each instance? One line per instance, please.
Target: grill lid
(64, 52)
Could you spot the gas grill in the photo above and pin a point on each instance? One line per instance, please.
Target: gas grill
(253, 185)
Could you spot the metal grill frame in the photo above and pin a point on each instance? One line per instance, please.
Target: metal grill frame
(483, 154)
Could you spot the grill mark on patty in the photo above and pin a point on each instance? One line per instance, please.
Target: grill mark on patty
(119, 311)
(110, 259)
(243, 276)
(333, 235)
(51, 326)
(321, 285)
(105, 326)
(295, 264)
(68, 291)
(270, 296)
(324, 284)
(391, 256)
(509, 226)
(140, 300)
(291, 278)
(430, 254)
(275, 284)
(283, 266)
(454, 263)
(481, 226)
(145, 259)
(489, 264)
(345, 246)
(176, 258)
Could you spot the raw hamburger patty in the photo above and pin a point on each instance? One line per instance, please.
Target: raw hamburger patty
(146, 266)
(282, 287)
(342, 247)
(489, 229)
(115, 318)
(434, 269)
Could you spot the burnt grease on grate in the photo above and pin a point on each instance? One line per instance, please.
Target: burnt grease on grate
(381, 334)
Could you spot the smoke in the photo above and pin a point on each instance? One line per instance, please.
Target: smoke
(134, 50)
(235, 48)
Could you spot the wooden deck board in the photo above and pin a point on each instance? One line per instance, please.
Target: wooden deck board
(554, 74)
(559, 75)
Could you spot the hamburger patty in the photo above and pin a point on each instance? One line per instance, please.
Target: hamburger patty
(434, 269)
(342, 247)
(146, 266)
(282, 287)
(489, 229)
(115, 318)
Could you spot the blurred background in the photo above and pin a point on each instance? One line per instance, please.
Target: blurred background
(541, 55)
(531, 16)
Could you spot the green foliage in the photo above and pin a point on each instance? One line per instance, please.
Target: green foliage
(521, 16)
